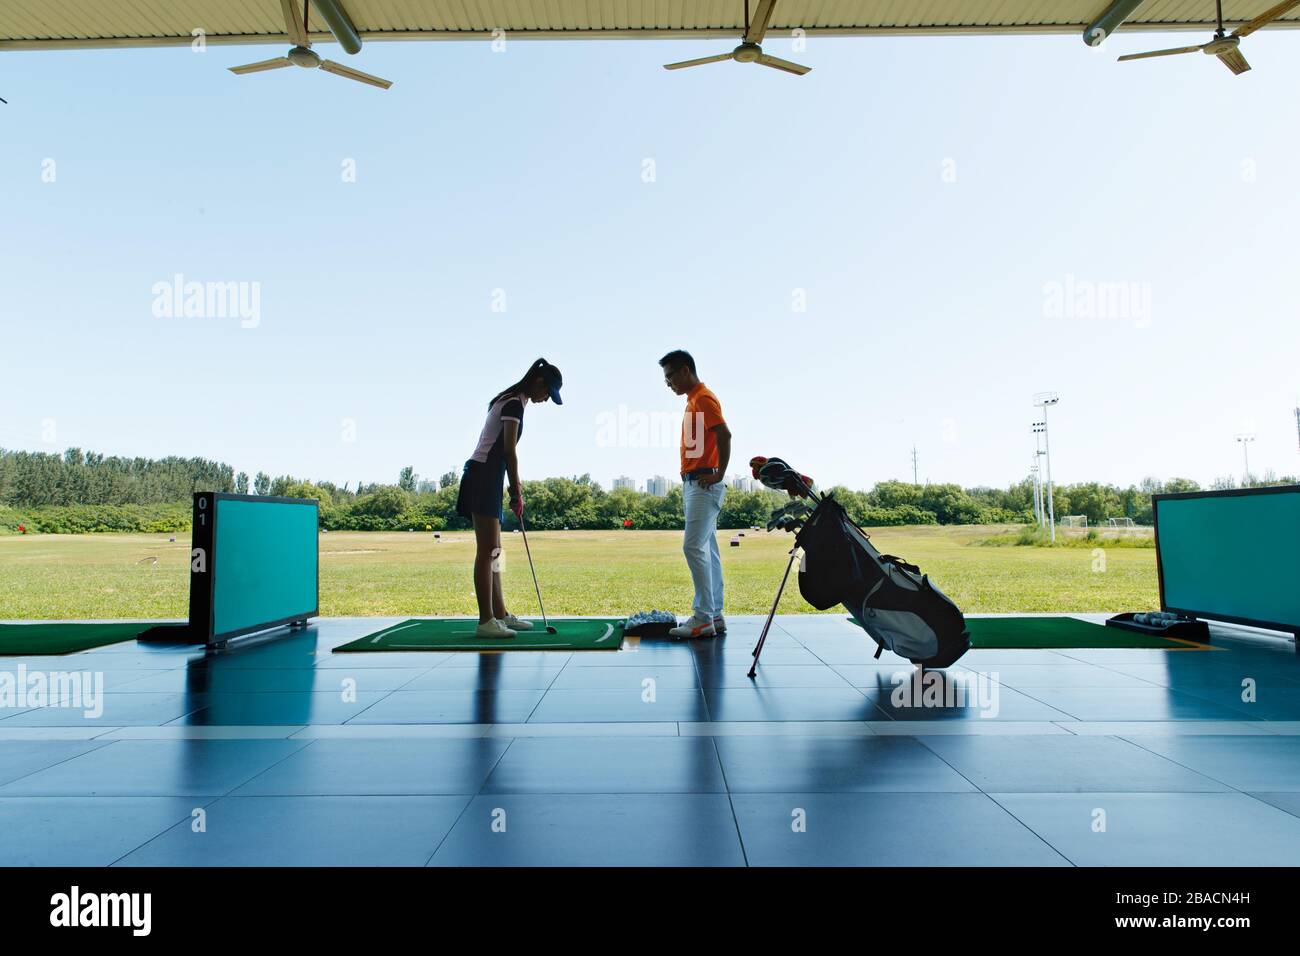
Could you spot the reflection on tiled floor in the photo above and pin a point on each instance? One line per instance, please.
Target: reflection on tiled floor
(282, 752)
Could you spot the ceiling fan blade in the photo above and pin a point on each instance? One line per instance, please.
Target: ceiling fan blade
(758, 25)
(776, 63)
(338, 69)
(258, 67)
(1144, 56)
(700, 62)
(1265, 18)
(293, 23)
(1234, 61)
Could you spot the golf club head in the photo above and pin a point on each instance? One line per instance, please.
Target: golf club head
(774, 473)
(780, 476)
(788, 517)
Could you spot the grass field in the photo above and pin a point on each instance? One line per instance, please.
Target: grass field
(581, 572)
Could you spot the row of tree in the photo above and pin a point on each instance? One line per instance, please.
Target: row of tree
(79, 491)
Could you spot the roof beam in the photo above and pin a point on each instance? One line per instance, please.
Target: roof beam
(62, 43)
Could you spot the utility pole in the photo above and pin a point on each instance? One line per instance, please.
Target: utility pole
(915, 481)
(1044, 400)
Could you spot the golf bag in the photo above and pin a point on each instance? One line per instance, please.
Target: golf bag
(887, 597)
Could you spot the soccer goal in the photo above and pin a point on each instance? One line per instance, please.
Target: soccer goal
(1124, 524)
(1074, 521)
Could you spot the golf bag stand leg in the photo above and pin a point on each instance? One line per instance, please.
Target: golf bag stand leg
(762, 638)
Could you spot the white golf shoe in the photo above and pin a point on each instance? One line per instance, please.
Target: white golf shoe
(695, 626)
(494, 630)
(516, 624)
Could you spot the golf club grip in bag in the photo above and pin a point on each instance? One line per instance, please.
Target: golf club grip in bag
(887, 597)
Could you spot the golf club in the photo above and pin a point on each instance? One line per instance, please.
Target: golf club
(549, 629)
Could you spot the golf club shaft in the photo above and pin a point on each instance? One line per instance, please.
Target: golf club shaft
(545, 623)
(762, 638)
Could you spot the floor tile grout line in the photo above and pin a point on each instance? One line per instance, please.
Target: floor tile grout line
(363, 710)
(429, 670)
(1044, 703)
(472, 797)
(549, 687)
(917, 738)
(1199, 773)
(1253, 795)
(1007, 810)
(735, 820)
(809, 727)
(699, 683)
(306, 742)
(212, 801)
(101, 745)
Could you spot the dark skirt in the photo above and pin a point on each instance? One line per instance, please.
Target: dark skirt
(481, 489)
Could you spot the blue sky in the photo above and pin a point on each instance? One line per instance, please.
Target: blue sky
(928, 199)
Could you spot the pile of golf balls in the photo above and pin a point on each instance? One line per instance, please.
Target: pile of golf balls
(1156, 618)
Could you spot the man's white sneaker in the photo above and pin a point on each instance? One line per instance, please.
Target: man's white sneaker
(516, 624)
(693, 627)
(494, 630)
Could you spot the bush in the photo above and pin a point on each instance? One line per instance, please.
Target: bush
(1033, 536)
(898, 515)
(98, 519)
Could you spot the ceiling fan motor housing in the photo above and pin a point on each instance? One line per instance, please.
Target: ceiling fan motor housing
(747, 53)
(301, 56)
(1220, 44)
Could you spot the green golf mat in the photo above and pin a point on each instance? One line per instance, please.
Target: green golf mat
(457, 634)
(64, 638)
(1059, 632)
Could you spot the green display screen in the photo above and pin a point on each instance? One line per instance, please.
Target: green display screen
(1232, 556)
(265, 563)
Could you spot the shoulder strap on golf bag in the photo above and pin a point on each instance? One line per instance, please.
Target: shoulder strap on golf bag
(906, 566)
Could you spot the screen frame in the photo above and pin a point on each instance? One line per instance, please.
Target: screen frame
(203, 584)
(1293, 628)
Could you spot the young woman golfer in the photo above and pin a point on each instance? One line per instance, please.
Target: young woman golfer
(480, 490)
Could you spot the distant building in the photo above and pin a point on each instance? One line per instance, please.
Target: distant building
(744, 483)
(427, 484)
(657, 486)
(623, 481)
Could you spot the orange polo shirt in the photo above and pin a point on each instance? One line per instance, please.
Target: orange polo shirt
(699, 442)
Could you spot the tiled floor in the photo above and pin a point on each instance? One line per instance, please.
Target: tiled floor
(283, 752)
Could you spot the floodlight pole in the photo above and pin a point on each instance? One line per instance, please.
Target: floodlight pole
(1038, 503)
(1245, 446)
(1047, 452)
(1039, 428)
(1043, 400)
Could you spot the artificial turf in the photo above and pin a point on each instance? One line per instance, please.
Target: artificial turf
(1058, 632)
(457, 634)
(63, 637)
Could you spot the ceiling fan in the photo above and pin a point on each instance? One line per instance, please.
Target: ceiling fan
(749, 50)
(1225, 46)
(303, 55)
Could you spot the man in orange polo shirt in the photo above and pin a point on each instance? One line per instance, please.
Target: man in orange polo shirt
(706, 450)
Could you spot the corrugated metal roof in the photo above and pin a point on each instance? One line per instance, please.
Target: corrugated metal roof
(82, 23)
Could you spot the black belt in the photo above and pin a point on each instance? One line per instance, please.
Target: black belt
(698, 473)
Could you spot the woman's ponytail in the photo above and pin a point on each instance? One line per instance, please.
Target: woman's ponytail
(534, 370)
